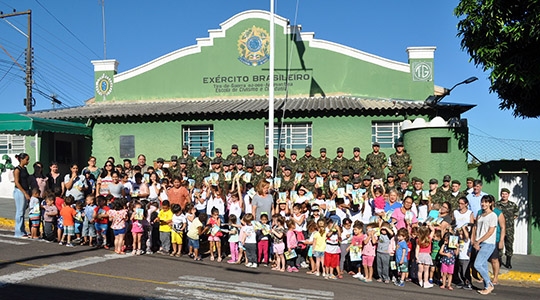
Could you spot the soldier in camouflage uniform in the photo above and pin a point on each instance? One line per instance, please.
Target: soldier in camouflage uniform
(282, 161)
(219, 155)
(174, 168)
(199, 171)
(418, 184)
(510, 211)
(309, 181)
(323, 162)
(250, 156)
(390, 182)
(445, 188)
(455, 194)
(400, 160)
(436, 196)
(345, 178)
(357, 163)
(287, 181)
(293, 162)
(376, 161)
(258, 173)
(234, 156)
(189, 159)
(207, 160)
(308, 161)
(340, 162)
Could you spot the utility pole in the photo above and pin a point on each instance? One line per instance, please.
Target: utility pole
(29, 101)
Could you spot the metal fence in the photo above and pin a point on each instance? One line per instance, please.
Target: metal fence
(484, 148)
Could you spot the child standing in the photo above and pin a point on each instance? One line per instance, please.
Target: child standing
(178, 225)
(68, 214)
(263, 243)
(118, 216)
(138, 220)
(196, 229)
(357, 243)
(448, 260)
(368, 252)
(79, 220)
(423, 255)
(292, 243)
(383, 256)
(378, 191)
(278, 235)
(402, 251)
(34, 214)
(101, 222)
(89, 230)
(49, 217)
(215, 234)
(319, 247)
(249, 240)
(464, 274)
(332, 250)
(233, 238)
(164, 219)
(435, 247)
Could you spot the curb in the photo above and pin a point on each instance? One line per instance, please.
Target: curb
(7, 224)
(521, 276)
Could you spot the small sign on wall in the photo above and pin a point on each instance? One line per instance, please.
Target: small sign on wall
(127, 146)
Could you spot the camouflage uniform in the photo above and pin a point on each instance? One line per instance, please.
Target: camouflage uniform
(510, 211)
(454, 201)
(308, 184)
(357, 165)
(234, 158)
(340, 163)
(199, 174)
(190, 161)
(251, 158)
(294, 166)
(325, 163)
(376, 164)
(400, 162)
(308, 162)
(438, 197)
(287, 185)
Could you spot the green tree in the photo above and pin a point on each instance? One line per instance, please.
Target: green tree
(503, 37)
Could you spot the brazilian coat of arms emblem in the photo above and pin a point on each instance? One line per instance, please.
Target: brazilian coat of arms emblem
(254, 46)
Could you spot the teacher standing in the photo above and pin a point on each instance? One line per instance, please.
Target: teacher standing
(21, 193)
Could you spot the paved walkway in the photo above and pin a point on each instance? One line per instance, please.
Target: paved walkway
(526, 268)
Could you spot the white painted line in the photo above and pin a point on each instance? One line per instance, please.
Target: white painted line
(33, 273)
(12, 242)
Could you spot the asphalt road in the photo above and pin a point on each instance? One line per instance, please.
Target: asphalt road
(39, 270)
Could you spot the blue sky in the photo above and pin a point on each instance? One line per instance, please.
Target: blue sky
(140, 31)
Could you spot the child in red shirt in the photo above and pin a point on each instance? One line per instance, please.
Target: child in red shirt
(68, 213)
(101, 220)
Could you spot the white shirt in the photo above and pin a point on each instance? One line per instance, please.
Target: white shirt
(247, 204)
(249, 233)
(462, 218)
(217, 203)
(484, 224)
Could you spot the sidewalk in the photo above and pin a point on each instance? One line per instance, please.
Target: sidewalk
(526, 268)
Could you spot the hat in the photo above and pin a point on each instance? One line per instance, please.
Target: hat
(356, 149)
(249, 164)
(339, 149)
(215, 161)
(174, 158)
(433, 181)
(250, 146)
(293, 152)
(227, 163)
(185, 147)
(200, 159)
(234, 146)
(240, 162)
(401, 171)
(367, 177)
(183, 161)
(218, 150)
(281, 149)
(127, 159)
(160, 160)
(405, 179)
(470, 179)
(312, 169)
(308, 149)
(258, 162)
(505, 190)
(356, 171)
(335, 176)
(357, 180)
(447, 178)
(333, 169)
(376, 144)
(287, 167)
(300, 170)
(203, 149)
(324, 171)
(399, 144)
(315, 207)
(322, 150)
(345, 172)
(419, 180)
(456, 181)
(268, 169)
(390, 174)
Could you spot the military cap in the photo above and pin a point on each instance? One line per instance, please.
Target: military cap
(160, 160)
(324, 171)
(268, 169)
(356, 149)
(372, 174)
(258, 162)
(405, 179)
(174, 158)
(376, 144)
(234, 146)
(312, 169)
(456, 181)
(250, 146)
(227, 163)
(266, 147)
(200, 159)
(293, 152)
(470, 179)
(203, 149)
(322, 150)
(249, 164)
(240, 162)
(390, 174)
(419, 180)
(399, 144)
(287, 167)
(281, 149)
(183, 161)
(339, 149)
(367, 177)
(308, 149)
(357, 180)
(218, 150)
(185, 147)
(401, 171)
(505, 190)
(333, 169)
(356, 171)
(447, 178)
(335, 176)
(345, 172)
(433, 181)
(300, 170)
(215, 161)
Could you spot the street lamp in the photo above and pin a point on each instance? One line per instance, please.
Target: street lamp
(434, 99)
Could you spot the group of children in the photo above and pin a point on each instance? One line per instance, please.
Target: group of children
(301, 236)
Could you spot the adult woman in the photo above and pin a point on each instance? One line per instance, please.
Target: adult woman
(463, 215)
(392, 203)
(262, 201)
(404, 217)
(444, 213)
(54, 180)
(75, 184)
(38, 180)
(116, 188)
(21, 193)
(94, 170)
(483, 240)
(102, 186)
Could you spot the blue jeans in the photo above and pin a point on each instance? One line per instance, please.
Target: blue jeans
(21, 204)
(481, 262)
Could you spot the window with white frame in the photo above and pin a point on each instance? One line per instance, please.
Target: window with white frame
(12, 144)
(385, 133)
(291, 135)
(197, 137)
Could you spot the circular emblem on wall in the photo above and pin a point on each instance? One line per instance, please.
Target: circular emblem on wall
(104, 85)
(253, 46)
(422, 71)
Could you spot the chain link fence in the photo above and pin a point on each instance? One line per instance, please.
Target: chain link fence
(484, 148)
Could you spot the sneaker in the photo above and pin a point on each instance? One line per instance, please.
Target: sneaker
(253, 265)
(317, 274)
(332, 277)
(249, 265)
(421, 283)
(231, 261)
(401, 284)
(289, 269)
(61, 243)
(431, 281)
(428, 285)
(467, 287)
(357, 275)
(69, 245)
(304, 265)
(294, 269)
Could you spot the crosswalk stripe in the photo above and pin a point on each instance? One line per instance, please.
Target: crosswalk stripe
(12, 242)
